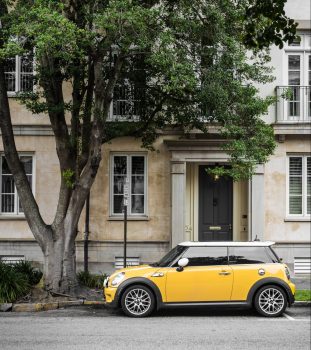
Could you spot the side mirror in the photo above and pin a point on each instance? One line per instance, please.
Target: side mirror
(182, 263)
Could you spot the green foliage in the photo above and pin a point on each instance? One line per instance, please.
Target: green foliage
(34, 275)
(90, 280)
(13, 284)
(68, 176)
(199, 63)
(303, 295)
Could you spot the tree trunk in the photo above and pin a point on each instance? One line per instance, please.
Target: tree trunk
(59, 263)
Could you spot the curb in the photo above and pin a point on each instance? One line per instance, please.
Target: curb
(302, 304)
(35, 307)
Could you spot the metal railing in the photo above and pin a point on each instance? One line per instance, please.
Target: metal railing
(293, 104)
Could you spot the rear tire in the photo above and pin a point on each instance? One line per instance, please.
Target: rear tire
(138, 301)
(270, 301)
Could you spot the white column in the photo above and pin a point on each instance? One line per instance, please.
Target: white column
(257, 210)
(178, 174)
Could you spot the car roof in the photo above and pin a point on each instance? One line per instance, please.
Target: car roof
(228, 244)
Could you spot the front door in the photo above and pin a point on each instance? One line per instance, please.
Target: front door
(215, 207)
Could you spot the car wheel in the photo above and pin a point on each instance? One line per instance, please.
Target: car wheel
(270, 301)
(138, 301)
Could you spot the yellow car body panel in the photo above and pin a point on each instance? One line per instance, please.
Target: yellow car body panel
(245, 276)
(199, 283)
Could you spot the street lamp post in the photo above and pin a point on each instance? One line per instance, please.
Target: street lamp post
(125, 204)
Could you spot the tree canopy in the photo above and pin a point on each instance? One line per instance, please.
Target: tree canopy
(188, 65)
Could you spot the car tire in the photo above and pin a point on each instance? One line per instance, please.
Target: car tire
(270, 301)
(138, 301)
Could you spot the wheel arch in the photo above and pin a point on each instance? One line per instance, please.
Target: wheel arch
(142, 282)
(269, 281)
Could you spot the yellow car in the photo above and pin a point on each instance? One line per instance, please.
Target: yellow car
(205, 273)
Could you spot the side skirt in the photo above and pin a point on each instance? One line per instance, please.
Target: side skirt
(211, 303)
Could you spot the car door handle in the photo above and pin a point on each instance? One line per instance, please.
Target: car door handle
(224, 273)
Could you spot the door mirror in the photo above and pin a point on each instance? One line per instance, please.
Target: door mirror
(182, 263)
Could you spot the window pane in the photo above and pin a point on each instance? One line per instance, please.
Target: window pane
(26, 77)
(118, 204)
(138, 204)
(7, 184)
(295, 185)
(295, 205)
(295, 166)
(10, 74)
(138, 165)
(5, 167)
(294, 62)
(309, 205)
(294, 78)
(206, 256)
(27, 163)
(309, 186)
(7, 203)
(119, 166)
(118, 184)
(138, 184)
(309, 166)
(248, 255)
(296, 42)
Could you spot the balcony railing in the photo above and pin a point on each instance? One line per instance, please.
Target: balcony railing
(294, 104)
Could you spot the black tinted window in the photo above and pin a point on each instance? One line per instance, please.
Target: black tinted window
(170, 256)
(249, 255)
(205, 256)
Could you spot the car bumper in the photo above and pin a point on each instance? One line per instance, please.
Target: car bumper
(110, 293)
(291, 293)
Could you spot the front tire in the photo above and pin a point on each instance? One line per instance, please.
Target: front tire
(270, 301)
(138, 301)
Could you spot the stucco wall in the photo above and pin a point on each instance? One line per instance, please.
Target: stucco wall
(277, 227)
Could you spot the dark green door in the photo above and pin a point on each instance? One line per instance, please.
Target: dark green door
(215, 207)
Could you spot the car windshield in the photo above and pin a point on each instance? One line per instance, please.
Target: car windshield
(170, 256)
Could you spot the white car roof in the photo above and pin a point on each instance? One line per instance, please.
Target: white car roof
(228, 244)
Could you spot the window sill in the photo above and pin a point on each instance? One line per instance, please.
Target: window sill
(12, 217)
(297, 219)
(129, 218)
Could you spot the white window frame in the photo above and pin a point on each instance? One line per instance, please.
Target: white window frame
(18, 75)
(16, 212)
(129, 156)
(304, 51)
(304, 214)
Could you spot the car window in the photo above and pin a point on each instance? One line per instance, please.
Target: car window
(170, 257)
(249, 255)
(206, 256)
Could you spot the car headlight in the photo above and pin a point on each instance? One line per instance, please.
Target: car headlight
(117, 279)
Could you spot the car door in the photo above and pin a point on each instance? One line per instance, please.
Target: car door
(207, 277)
(249, 264)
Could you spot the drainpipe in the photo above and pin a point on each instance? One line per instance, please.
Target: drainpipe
(86, 233)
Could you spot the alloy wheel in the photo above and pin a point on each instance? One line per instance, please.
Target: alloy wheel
(271, 301)
(137, 301)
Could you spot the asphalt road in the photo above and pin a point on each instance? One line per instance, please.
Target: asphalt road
(97, 328)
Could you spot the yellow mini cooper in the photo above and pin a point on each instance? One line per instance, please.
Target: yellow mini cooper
(205, 273)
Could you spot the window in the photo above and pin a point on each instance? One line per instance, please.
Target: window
(170, 257)
(298, 79)
(299, 186)
(18, 73)
(206, 256)
(129, 170)
(250, 255)
(9, 201)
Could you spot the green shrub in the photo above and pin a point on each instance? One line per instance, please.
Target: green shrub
(89, 280)
(34, 275)
(13, 284)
